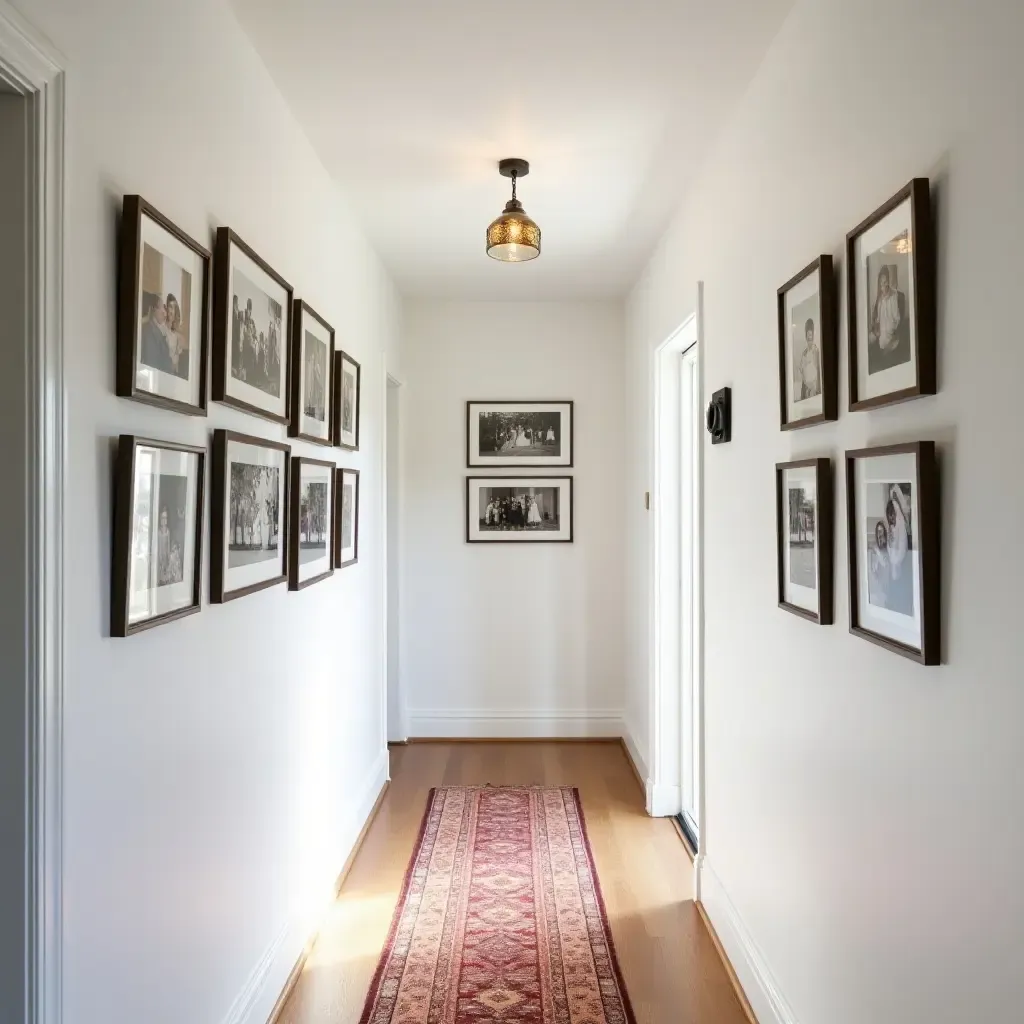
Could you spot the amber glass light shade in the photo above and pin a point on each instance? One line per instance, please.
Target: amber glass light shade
(513, 237)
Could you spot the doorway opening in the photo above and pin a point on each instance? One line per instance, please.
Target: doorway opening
(397, 730)
(676, 711)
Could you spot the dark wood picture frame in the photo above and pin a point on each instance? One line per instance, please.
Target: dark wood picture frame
(339, 492)
(121, 550)
(294, 498)
(918, 193)
(340, 358)
(513, 463)
(824, 526)
(225, 239)
(822, 265)
(218, 541)
(543, 481)
(300, 310)
(134, 208)
(927, 540)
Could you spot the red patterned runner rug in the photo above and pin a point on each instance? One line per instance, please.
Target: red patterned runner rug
(500, 918)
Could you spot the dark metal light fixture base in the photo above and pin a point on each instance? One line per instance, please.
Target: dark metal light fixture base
(513, 165)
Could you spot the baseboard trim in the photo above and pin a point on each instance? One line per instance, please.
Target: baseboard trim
(632, 764)
(663, 801)
(754, 982)
(683, 837)
(453, 725)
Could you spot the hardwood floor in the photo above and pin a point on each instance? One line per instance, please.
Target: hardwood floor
(672, 970)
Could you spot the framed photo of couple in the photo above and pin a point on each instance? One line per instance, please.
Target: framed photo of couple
(891, 301)
(804, 513)
(892, 507)
(511, 434)
(808, 368)
(163, 311)
(312, 367)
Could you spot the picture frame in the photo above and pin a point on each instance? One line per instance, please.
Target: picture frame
(163, 312)
(892, 502)
(312, 376)
(808, 367)
(311, 517)
(511, 510)
(891, 325)
(249, 515)
(348, 387)
(805, 526)
(252, 330)
(346, 538)
(528, 434)
(153, 558)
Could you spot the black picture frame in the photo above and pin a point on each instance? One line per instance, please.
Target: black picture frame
(825, 538)
(526, 462)
(218, 541)
(927, 535)
(134, 209)
(295, 527)
(121, 549)
(226, 239)
(301, 309)
(822, 266)
(507, 481)
(339, 491)
(917, 193)
(340, 359)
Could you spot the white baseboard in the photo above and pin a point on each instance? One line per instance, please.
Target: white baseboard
(256, 1001)
(663, 801)
(634, 751)
(759, 984)
(470, 724)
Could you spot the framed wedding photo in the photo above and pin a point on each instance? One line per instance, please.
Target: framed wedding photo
(158, 533)
(805, 517)
(892, 503)
(252, 311)
(890, 260)
(163, 312)
(347, 387)
(312, 366)
(311, 537)
(249, 515)
(808, 369)
(514, 434)
(346, 519)
(514, 510)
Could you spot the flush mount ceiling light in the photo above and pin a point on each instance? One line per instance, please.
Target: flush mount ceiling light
(513, 237)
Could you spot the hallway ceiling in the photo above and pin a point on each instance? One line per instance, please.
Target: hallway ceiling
(411, 104)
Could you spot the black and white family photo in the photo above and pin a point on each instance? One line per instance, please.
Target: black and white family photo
(256, 334)
(313, 521)
(888, 270)
(519, 509)
(348, 401)
(806, 350)
(801, 538)
(314, 377)
(166, 308)
(890, 541)
(253, 514)
(348, 500)
(347, 520)
(513, 435)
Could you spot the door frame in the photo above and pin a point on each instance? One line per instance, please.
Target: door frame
(34, 69)
(390, 381)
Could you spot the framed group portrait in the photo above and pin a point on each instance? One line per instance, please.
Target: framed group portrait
(527, 434)
(311, 535)
(891, 301)
(346, 519)
(516, 510)
(163, 311)
(158, 533)
(805, 518)
(347, 386)
(892, 498)
(252, 311)
(808, 368)
(249, 515)
(312, 367)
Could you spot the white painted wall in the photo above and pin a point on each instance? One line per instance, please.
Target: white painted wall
(500, 639)
(218, 769)
(865, 827)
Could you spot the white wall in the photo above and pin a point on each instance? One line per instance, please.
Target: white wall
(501, 639)
(218, 769)
(864, 816)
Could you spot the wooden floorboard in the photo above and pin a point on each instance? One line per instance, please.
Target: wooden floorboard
(669, 961)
